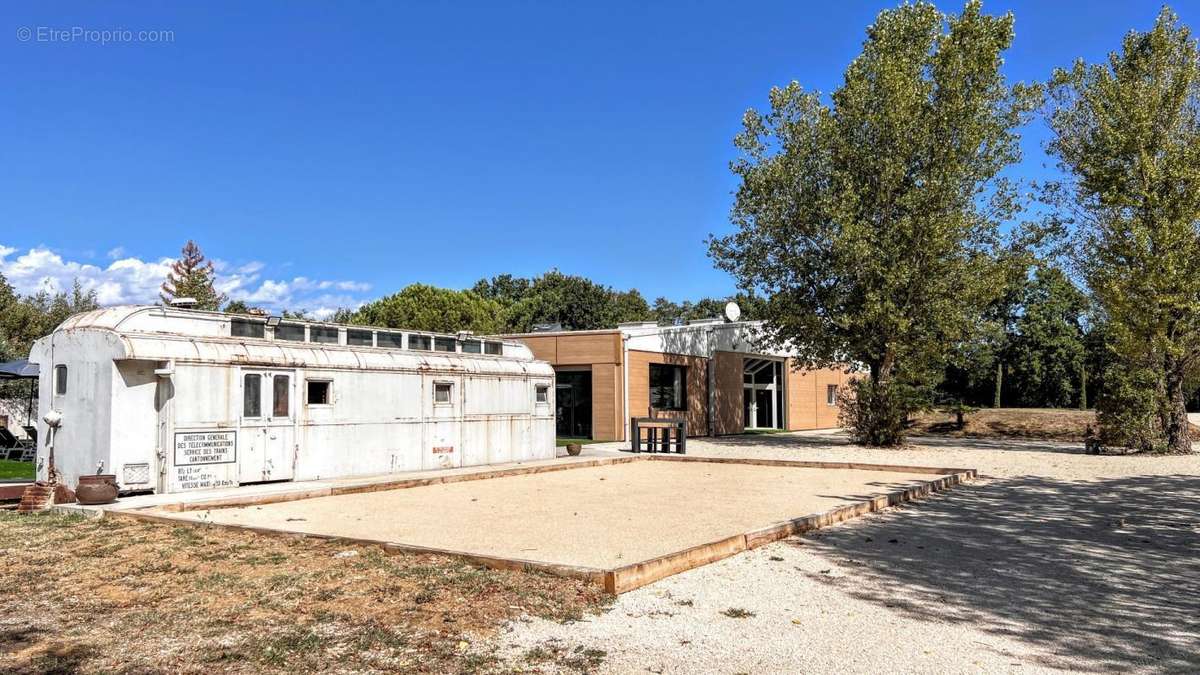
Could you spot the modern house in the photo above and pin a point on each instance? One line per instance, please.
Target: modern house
(175, 399)
(710, 372)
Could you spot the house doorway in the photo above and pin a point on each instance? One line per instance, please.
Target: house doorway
(573, 403)
(762, 388)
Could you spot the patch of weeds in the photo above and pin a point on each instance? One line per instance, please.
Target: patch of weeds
(296, 642)
(580, 659)
(186, 535)
(584, 660)
(375, 636)
(215, 580)
(102, 551)
(327, 594)
(152, 567)
(425, 596)
(268, 559)
(285, 582)
(738, 613)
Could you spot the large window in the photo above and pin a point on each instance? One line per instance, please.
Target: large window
(359, 338)
(391, 340)
(323, 334)
(290, 331)
(247, 328)
(494, 348)
(421, 342)
(444, 344)
(831, 394)
(668, 387)
(443, 393)
(472, 347)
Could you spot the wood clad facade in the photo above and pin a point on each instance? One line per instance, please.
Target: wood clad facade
(603, 353)
(807, 403)
(697, 388)
(600, 352)
(728, 414)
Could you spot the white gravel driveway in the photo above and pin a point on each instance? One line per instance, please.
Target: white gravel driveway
(1052, 561)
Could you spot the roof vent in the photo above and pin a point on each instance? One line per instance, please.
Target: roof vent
(184, 303)
(638, 324)
(547, 327)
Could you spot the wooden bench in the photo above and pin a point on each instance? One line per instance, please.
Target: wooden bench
(662, 434)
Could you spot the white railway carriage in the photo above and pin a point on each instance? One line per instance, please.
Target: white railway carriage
(175, 399)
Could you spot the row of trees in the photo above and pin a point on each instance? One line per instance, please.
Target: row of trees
(872, 221)
(509, 304)
(25, 318)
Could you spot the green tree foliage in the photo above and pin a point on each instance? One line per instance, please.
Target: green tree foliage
(1127, 132)
(871, 222)
(422, 307)
(237, 307)
(192, 277)
(24, 319)
(575, 302)
(1046, 352)
(667, 312)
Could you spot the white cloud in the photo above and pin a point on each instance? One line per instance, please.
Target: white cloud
(130, 280)
(116, 252)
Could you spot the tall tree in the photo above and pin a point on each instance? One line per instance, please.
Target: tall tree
(1127, 133)
(1047, 350)
(422, 307)
(191, 276)
(870, 223)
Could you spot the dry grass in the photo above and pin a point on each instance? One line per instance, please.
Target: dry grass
(1033, 423)
(118, 596)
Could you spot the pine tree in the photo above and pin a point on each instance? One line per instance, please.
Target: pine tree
(192, 277)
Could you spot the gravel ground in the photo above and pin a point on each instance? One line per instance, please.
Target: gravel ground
(1052, 561)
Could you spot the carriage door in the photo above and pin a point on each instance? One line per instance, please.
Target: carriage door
(265, 449)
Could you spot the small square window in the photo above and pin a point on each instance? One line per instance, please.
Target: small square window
(445, 344)
(359, 338)
(543, 393)
(390, 340)
(60, 380)
(421, 342)
(290, 331)
(323, 334)
(442, 392)
(494, 348)
(247, 328)
(831, 394)
(318, 392)
(472, 347)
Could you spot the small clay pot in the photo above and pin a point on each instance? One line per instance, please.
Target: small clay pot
(98, 489)
(573, 449)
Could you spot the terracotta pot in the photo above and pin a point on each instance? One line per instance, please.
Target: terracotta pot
(98, 489)
(573, 449)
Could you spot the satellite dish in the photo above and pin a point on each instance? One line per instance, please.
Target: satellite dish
(732, 311)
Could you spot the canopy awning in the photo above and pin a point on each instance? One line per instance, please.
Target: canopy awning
(18, 370)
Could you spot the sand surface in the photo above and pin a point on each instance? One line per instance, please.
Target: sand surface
(1053, 561)
(600, 517)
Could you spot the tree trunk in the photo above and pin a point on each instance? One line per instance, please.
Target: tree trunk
(1083, 386)
(1179, 441)
(999, 384)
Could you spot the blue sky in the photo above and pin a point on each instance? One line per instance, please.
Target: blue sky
(325, 153)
